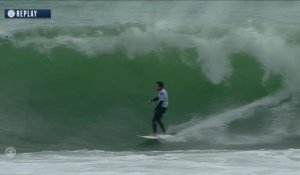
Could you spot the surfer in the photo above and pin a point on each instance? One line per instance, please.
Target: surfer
(161, 108)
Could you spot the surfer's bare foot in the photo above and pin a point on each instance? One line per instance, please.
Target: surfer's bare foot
(153, 134)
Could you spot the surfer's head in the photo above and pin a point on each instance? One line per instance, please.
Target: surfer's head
(159, 85)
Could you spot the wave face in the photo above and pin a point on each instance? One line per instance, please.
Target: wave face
(79, 80)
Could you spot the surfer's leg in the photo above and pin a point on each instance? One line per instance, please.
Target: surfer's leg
(159, 117)
(154, 125)
(161, 125)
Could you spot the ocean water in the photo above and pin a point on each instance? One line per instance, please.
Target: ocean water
(79, 81)
(221, 162)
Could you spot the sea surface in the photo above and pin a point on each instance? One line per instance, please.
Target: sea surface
(73, 87)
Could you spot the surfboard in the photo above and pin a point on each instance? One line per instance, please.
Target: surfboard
(156, 137)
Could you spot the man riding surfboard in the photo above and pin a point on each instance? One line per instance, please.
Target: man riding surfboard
(161, 108)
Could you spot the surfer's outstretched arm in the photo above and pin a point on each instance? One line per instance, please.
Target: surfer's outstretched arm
(152, 100)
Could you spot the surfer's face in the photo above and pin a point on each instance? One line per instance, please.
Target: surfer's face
(158, 88)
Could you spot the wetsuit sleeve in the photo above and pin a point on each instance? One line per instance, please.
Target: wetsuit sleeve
(155, 99)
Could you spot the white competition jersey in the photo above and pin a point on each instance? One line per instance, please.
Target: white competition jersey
(163, 96)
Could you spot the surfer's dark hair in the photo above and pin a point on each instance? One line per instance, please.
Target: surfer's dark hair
(160, 84)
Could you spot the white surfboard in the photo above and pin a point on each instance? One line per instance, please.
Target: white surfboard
(157, 137)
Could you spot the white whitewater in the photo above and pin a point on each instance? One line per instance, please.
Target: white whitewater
(206, 162)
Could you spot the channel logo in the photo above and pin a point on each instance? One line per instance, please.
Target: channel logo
(27, 13)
